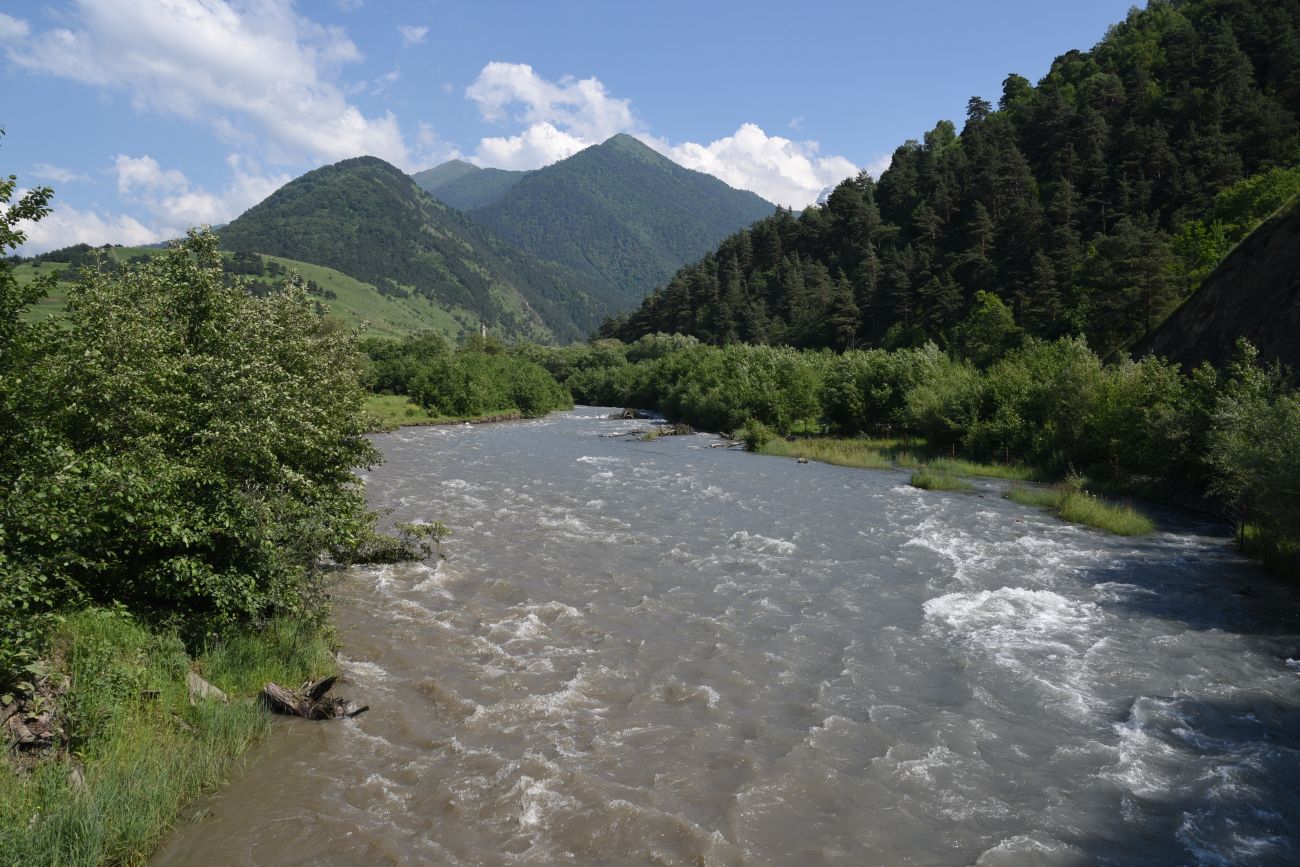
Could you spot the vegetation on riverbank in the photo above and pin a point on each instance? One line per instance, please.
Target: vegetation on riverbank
(933, 480)
(1070, 502)
(388, 412)
(175, 458)
(1034, 412)
(478, 380)
(133, 747)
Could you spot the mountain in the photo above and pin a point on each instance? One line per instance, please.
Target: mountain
(464, 186)
(1254, 293)
(365, 218)
(1076, 202)
(430, 179)
(618, 212)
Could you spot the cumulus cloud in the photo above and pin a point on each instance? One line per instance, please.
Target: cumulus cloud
(66, 225)
(539, 145)
(412, 34)
(175, 204)
(252, 69)
(562, 117)
(780, 170)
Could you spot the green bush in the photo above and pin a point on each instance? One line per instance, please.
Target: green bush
(182, 448)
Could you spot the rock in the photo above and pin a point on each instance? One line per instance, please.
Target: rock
(201, 689)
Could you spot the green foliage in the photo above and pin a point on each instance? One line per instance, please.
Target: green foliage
(482, 378)
(1086, 205)
(413, 541)
(1254, 449)
(139, 749)
(182, 448)
(1045, 407)
(1235, 212)
(1070, 502)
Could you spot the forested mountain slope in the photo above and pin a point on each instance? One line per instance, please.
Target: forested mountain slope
(1254, 293)
(367, 219)
(443, 174)
(620, 213)
(465, 186)
(1075, 201)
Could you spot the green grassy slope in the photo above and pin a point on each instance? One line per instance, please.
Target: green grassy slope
(355, 303)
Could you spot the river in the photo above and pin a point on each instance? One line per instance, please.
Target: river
(662, 653)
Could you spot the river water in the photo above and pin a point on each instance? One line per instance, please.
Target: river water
(661, 653)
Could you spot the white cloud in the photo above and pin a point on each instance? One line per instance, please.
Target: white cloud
(253, 69)
(539, 145)
(562, 117)
(65, 226)
(796, 123)
(176, 204)
(58, 174)
(581, 107)
(780, 170)
(13, 28)
(144, 174)
(412, 34)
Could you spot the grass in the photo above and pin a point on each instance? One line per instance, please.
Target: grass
(1069, 502)
(930, 480)
(356, 304)
(843, 453)
(137, 750)
(391, 411)
(884, 454)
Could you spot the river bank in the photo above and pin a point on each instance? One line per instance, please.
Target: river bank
(128, 739)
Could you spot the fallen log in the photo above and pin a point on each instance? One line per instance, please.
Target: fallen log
(310, 702)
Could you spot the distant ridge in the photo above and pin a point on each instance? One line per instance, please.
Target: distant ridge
(467, 190)
(438, 176)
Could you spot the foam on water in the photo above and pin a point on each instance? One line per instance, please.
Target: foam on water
(657, 652)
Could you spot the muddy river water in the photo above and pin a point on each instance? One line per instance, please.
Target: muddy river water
(662, 653)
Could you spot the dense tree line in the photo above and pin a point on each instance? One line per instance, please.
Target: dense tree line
(180, 448)
(1089, 205)
(479, 378)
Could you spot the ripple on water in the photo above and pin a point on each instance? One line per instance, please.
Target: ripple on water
(668, 654)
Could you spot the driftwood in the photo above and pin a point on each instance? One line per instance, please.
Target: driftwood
(309, 702)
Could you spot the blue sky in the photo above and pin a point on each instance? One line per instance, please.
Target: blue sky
(147, 116)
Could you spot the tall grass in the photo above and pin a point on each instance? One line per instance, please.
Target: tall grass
(882, 454)
(931, 480)
(843, 453)
(1070, 502)
(137, 749)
